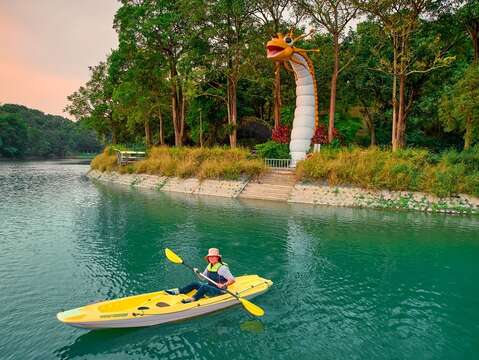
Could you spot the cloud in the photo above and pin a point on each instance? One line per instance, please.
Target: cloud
(47, 47)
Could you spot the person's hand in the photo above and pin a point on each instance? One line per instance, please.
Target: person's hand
(222, 286)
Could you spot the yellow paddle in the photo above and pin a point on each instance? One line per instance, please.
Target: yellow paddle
(248, 305)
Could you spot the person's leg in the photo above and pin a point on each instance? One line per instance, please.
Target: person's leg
(189, 287)
(206, 290)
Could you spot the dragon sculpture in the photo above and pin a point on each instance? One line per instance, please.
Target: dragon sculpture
(281, 48)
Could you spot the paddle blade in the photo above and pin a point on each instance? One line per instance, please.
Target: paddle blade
(251, 308)
(173, 257)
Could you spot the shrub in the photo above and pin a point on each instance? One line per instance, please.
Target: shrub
(106, 161)
(273, 150)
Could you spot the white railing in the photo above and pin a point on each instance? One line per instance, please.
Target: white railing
(125, 157)
(278, 163)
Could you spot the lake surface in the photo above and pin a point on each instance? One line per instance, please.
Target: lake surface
(348, 283)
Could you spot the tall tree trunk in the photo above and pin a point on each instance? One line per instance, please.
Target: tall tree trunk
(114, 133)
(177, 105)
(394, 96)
(334, 80)
(468, 133)
(475, 43)
(277, 94)
(232, 110)
(401, 118)
(368, 117)
(161, 136)
(147, 133)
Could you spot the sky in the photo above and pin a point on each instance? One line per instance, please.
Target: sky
(46, 47)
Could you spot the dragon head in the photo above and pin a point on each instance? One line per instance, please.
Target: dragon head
(280, 47)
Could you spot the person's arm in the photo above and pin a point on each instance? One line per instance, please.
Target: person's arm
(226, 273)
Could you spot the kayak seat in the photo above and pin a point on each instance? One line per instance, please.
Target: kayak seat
(162, 304)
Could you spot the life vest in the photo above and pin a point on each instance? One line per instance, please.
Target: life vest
(212, 273)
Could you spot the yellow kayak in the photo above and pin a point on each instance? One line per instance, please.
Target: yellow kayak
(159, 307)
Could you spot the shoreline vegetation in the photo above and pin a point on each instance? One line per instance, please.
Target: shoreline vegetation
(183, 162)
(413, 179)
(446, 174)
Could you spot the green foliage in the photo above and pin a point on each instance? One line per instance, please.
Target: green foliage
(166, 51)
(459, 110)
(404, 170)
(31, 133)
(13, 135)
(273, 150)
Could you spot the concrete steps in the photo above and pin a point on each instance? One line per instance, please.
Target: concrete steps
(275, 185)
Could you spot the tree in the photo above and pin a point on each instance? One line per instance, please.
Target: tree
(230, 26)
(334, 16)
(460, 109)
(271, 12)
(161, 26)
(365, 90)
(469, 17)
(93, 103)
(400, 19)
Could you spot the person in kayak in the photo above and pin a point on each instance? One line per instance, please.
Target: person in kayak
(216, 270)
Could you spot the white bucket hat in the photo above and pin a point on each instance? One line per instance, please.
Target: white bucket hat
(213, 252)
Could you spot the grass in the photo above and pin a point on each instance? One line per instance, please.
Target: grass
(447, 174)
(184, 162)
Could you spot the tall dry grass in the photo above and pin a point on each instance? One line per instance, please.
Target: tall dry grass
(185, 162)
(106, 161)
(407, 170)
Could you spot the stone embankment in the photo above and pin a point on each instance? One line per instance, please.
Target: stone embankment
(282, 186)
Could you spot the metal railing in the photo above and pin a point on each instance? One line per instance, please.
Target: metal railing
(278, 163)
(125, 157)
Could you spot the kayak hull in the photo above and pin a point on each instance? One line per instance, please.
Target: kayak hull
(159, 308)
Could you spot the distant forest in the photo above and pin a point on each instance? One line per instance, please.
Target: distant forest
(27, 132)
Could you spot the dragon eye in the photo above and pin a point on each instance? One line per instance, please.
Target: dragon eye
(288, 40)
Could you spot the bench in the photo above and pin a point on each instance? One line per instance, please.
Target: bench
(125, 157)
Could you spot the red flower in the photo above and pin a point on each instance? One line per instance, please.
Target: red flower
(321, 135)
(281, 134)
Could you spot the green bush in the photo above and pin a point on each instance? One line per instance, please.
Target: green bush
(273, 150)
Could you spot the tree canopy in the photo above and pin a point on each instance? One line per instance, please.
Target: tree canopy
(191, 72)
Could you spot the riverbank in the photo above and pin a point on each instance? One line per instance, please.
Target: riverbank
(300, 192)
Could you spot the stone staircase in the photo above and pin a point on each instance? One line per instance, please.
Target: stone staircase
(275, 185)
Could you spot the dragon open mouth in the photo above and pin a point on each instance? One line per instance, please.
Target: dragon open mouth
(273, 50)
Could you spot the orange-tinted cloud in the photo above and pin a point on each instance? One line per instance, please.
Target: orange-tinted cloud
(46, 47)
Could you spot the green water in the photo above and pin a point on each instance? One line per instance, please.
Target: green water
(348, 284)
